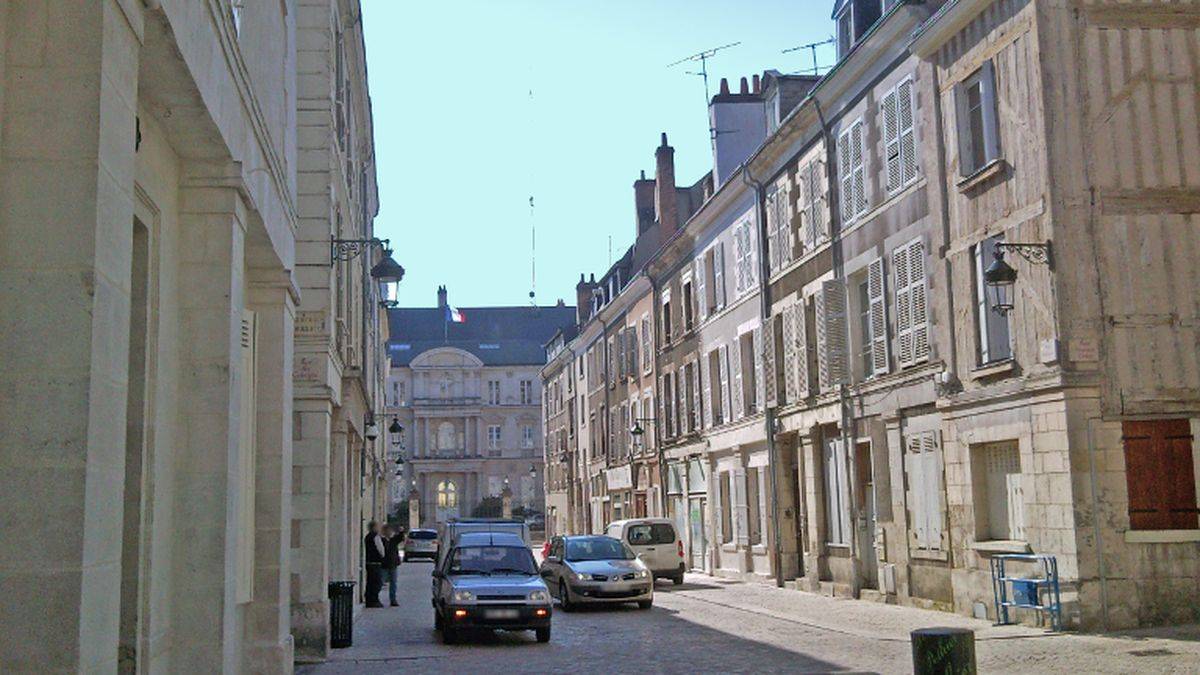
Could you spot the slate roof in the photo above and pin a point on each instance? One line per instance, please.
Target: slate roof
(499, 336)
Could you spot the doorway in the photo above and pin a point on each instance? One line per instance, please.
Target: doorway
(865, 491)
(697, 516)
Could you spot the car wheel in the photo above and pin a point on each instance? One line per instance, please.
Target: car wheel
(645, 604)
(449, 634)
(543, 634)
(563, 599)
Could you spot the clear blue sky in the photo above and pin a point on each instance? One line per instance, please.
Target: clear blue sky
(462, 145)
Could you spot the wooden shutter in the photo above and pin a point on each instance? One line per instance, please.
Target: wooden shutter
(701, 288)
(1159, 474)
(773, 224)
(831, 335)
(904, 344)
(662, 406)
(247, 412)
(791, 386)
(620, 355)
(735, 379)
(915, 465)
(934, 502)
(878, 317)
(802, 374)
(719, 274)
(763, 371)
(705, 416)
(917, 297)
(891, 141)
(906, 122)
(845, 177)
(697, 397)
(806, 199)
(820, 185)
(723, 368)
(858, 162)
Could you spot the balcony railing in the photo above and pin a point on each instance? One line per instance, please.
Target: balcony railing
(445, 401)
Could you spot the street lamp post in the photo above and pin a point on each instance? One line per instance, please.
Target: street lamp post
(1003, 278)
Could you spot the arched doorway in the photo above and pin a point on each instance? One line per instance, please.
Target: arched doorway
(447, 500)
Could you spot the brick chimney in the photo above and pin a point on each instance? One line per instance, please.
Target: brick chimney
(643, 200)
(665, 207)
(583, 299)
(442, 302)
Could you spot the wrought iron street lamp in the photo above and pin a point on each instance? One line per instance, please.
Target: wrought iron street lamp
(387, 272)
(396, 429)
(1002, 277)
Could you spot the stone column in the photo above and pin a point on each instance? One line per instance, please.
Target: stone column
(414, 508)
(69, 92)
(311, 541)
(339, 506)
(506, 501)
(273, 298)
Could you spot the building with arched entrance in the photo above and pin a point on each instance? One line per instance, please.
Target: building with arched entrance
(468, 395)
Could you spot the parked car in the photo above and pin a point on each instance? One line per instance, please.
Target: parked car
(451, 529)
(420, 544)
(489, 580)
(655, 542)
(596, 569)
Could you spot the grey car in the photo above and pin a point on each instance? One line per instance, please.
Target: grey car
(420, 543)
(589, 569)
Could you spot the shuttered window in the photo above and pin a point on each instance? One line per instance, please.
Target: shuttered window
(992, 330)
(697, 398)
(715, 388)
(745, 275)
(852, 171)
(247, 412)
(1001, 503)
(735, 380)
(702, 303)
(912, 311)
(898, 112)
(978, 130)
(1160, 475)
(831, 335)
(726, 401)
(718, 273)
(791, 384)
(837, 494)
(812, 188)
(877, 317)
(779, 220)
(926, 490)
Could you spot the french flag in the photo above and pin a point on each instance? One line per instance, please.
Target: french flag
(455, 315)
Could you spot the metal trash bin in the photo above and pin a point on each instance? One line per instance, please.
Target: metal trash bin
(943, 650)
(341, 614)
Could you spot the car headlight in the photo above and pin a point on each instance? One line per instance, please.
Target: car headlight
(539, 596)
(463, 597)
(643, 573)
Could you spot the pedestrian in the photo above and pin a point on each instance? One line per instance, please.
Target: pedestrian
(375, 550)
(392, 540)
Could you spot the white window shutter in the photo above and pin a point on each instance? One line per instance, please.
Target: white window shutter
(822, 217)
(824, 381)
(735, 357)
(752, 254)
(705, 380)
(934, 503)
(831, 334)
(878, 317)
(891, 141)
(858, 161)
(739, 256)
(917, 298)
(802, 374)
(906, 123)
(845, 174)
(904, 342)
(762, 369)
(791, 386)
(719, 274)
(701, 288)
(918, 520)
(723, 367)
(806, 205)
(772, 200)
(662, 406)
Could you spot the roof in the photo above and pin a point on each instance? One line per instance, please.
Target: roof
(498, 336)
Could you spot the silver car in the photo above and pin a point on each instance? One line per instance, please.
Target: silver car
(596, 569)
(420, 544)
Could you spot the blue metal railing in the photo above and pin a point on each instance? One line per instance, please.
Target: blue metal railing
(1039, 592)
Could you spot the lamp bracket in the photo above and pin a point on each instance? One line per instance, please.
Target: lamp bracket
(1036, 253)
(348, 249)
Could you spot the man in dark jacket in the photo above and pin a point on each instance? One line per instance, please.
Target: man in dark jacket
(375, 551)
(391, 559)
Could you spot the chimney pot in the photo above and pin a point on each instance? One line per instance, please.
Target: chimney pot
(724, 86)
(745, 88)
(757, 85)
(643, 174)
(664, 139)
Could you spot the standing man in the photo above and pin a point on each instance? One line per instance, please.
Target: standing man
(375, 550)
(391, 560)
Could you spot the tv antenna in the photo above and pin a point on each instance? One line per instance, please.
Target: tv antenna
(532, 218)
(812, 48)
(703, 57)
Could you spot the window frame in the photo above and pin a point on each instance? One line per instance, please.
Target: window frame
(985, 313)
(985, 78)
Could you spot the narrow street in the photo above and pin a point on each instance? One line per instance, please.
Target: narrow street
(712, 625)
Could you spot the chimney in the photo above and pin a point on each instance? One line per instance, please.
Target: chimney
(583, 299)
(745, 88)
(739, 122)
(664, 188)
(643, 201)
(724, 87)
(757, 85)
(442, 304)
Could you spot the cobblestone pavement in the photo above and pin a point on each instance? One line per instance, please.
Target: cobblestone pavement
(712, 625)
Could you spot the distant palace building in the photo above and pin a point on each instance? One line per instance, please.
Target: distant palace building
(465, 386)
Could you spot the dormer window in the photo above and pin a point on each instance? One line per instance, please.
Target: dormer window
(854, 18)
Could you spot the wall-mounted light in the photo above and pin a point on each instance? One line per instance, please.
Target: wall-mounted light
(1002, 277)
(396, 430)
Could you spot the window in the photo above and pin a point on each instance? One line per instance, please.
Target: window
(855, 19)
(650, 534)
(668, 406)
(779, 225)
(753, 505)
(726, 497)
(711, 271)
(610, 365)
(526, 392)
(689, 398)
(871, 315)
(852, 172)
(1160, 474)
(493, 392)
(912, 313)
(666, 320)
(647, 411)
(926, 505)
(494, 436)
(978, 131)
(795, 351)
(687, 306)
(864, 329)
(647, 355)
(745, 395)
(527, 436)
(622, 371)
(991, 330)
(811, 180)
(1000, 508)
(745, 274)
(716, 380)
(900, 149)
(447, 495)
(837, 494)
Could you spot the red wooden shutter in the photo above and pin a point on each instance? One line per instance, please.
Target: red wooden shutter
(1159, 475)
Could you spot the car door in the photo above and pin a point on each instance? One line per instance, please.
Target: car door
(639, 536)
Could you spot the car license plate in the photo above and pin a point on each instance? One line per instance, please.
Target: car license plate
(501, 613)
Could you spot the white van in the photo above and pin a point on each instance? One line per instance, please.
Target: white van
(655, 542)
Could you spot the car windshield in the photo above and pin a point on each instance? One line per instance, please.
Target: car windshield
(597, 548)
(649, 534)
(488, 560)
(422, 534)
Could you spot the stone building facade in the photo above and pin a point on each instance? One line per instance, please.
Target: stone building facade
(148, 225)
(469, 398)
(883, 413)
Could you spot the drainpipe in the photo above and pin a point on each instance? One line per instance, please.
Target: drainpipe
(839, 273)
(764, 306)
(1091, 449)
(658, 444)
